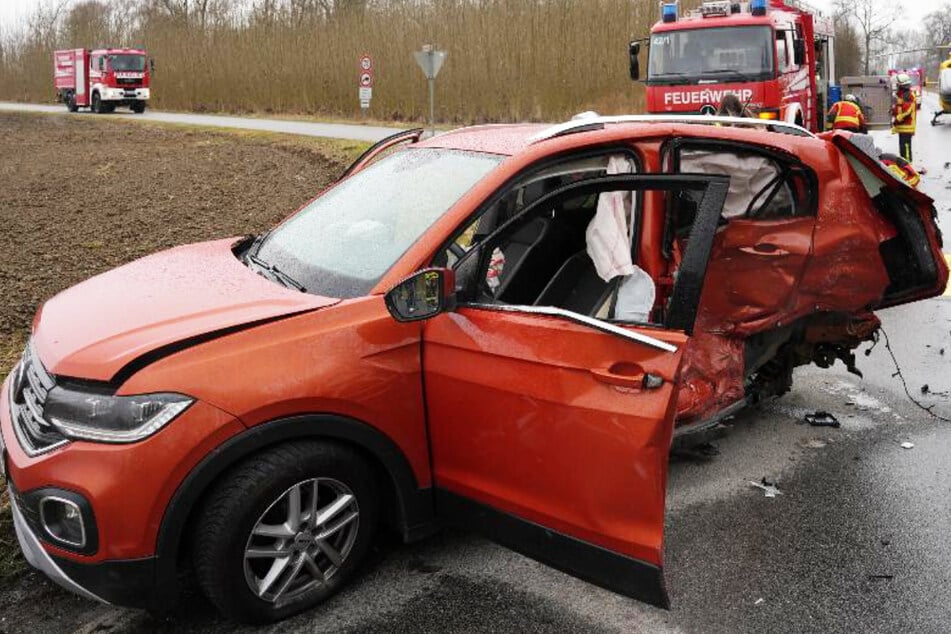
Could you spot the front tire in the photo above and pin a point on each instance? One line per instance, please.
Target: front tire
(138, 107)
(96, 106)
(285, 530)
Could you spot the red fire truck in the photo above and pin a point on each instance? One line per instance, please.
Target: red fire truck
(777, 56)
(102, 78)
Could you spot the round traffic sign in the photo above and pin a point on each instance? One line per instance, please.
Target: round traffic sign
(366, 80)
(366, 63)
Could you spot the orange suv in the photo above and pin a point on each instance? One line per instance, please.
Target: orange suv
(451, 333)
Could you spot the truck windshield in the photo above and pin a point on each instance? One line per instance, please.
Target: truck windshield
(722, 54)
(343, 242)
(135, 63)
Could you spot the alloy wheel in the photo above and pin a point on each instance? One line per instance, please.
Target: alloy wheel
(301, 540)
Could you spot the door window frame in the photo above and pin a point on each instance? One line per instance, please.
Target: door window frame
(670, 158)
(628, 151)
(684, 300)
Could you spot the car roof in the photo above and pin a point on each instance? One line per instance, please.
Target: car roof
(516, 139)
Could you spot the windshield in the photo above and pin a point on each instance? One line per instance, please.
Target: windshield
(121, 63)
(727, 54)
(342, 243)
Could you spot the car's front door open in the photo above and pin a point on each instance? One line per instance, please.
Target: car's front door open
(550, 430)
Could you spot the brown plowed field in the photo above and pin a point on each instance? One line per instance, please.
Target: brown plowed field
(80, 195)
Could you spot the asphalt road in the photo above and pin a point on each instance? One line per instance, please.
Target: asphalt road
(856, 542)
(349, 132)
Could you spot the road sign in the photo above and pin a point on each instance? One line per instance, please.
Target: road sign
(365, 82)
(430, 60)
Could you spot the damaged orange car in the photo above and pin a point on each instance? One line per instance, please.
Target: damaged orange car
(449, 334)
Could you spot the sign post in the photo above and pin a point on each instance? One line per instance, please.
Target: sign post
(365, 83)
(430, 61)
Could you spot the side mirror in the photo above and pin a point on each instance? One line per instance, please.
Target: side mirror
(151, 64)
(634, 49)
(799, 52)
(422, 295)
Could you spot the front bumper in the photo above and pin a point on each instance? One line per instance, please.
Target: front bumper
(125, 94)
(130, 583)
(37, 556)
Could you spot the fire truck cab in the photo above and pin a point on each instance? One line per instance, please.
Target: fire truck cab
(102, 79)
(777, 56)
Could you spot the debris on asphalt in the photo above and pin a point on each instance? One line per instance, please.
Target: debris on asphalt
(925, 389)
(881, 577)
(908, 445)
(823, 419)
(768, 488)
(758, 601)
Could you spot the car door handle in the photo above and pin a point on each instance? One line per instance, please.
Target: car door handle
(627, 375)
(764, 248)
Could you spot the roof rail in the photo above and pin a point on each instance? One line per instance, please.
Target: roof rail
(587, 123)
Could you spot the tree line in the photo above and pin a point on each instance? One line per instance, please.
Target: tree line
(509, 60)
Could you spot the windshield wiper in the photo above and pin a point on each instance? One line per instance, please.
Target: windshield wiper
(258, 241)
(277, 274)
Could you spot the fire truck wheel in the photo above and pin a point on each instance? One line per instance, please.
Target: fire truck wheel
(96, 103)
(71, 103)
(138, 107)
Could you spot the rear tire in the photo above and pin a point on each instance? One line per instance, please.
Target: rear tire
(71, 103)
(259, 555)
(138, 107)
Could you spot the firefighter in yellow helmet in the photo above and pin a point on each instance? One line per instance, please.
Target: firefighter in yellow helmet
(904, 113)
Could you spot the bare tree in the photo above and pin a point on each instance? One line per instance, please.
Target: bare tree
(848, 48)
(874, 19)
(938, 33)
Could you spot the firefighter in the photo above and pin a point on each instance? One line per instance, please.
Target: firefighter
(847, 115)
(731, 106)
(903, 116)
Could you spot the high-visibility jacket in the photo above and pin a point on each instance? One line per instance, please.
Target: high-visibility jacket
(846, 115)
(904, 113)
(901, 168)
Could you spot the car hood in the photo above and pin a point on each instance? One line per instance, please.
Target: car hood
(96, 328)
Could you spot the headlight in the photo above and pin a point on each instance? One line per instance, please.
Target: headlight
(86, 415)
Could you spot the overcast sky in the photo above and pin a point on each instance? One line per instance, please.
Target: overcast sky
(14, 12)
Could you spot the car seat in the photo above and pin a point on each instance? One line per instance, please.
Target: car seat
(519, 253)
(576, 287)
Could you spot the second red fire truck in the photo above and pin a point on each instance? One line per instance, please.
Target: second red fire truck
(102, 79)
(777, 56)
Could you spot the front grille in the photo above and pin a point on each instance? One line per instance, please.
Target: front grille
(29, 389)
(128, 81)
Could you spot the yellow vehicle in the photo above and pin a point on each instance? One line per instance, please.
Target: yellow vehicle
(944, 90)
